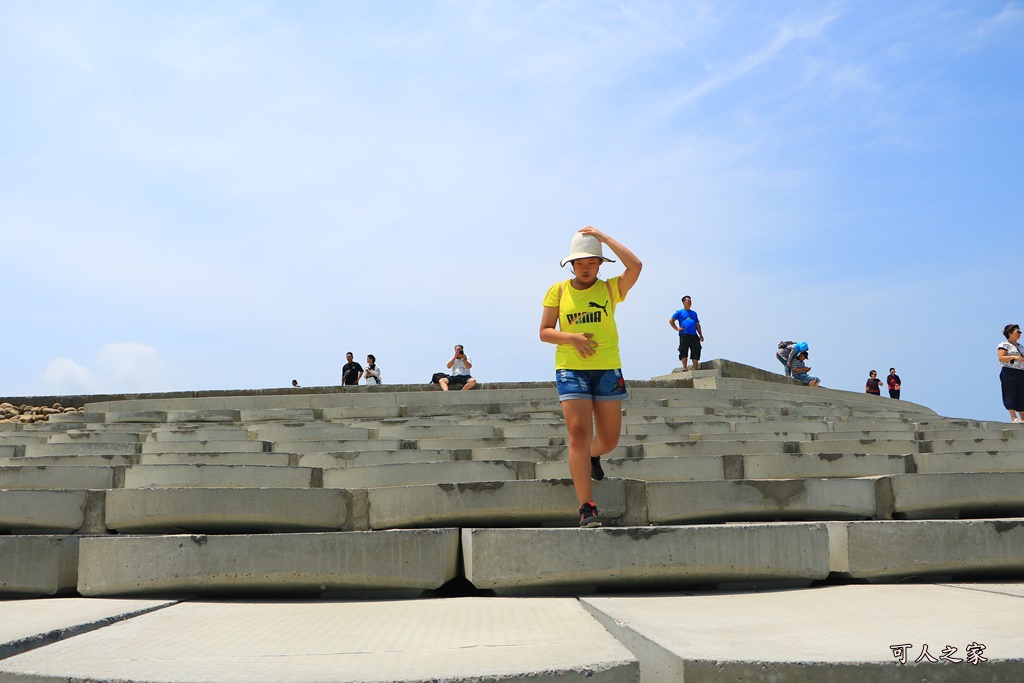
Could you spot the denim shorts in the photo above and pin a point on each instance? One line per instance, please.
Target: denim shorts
(804, 377)
(592, 385)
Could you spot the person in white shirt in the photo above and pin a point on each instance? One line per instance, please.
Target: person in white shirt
(460, 365)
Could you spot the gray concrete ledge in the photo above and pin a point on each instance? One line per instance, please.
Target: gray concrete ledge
(417, 559)
(762, 554)
(38, 565)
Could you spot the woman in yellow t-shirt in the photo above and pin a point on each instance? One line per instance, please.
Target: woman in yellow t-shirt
(588, 371)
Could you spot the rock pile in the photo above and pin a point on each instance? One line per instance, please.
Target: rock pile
(29, 414)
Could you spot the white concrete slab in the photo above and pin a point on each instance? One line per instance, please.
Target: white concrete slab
(35, 511)
(447, 641)
(835, 634)
(28, 624)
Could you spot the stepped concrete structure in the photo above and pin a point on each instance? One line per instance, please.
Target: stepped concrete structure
(754, 529)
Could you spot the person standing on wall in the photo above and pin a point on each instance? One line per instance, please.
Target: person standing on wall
(579, 317)
(893, 383)
(687, 324)
(351, 372)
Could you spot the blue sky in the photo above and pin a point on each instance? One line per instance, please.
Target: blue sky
(222, 195)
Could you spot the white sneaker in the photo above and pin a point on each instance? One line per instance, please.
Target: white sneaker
(1017, 419)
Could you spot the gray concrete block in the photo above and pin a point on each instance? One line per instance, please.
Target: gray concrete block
(701, 447)
(897, 550)
(355, 458)
(70, 460)
(971, 461)
(83, 448)
(143, 416)
(278, 414)
(316, 431)
(917, 496)
(706, 467)
(37, 565)
(219, 446)
(218, 476)
(421, 433)
(39, 511)
(403, 559)
(970, 445)
(94, 436)
(353, 446)
(495, 503)
(224, 510)
(823, 465)
(193, 433)
(274, 459)
(460, 640)
(30, 624)
(202, 416)
(9, 451)
(681, 502)
(654, 556)
(372, 476)
(58, 477)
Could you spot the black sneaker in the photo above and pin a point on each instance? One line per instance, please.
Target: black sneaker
(588, 516)
(596, 471)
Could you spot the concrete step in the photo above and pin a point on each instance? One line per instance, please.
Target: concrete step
(198, 433)
(219, 476)
(227, 510)
(274, 459)
(657, 557)
(984, 461)
(156, 447)
(411, 560)
(36, 565)
(928, 549)
(312, 431)
(20, 439)
(101, 436)
(953, 445)
(373, 476)
(549, 502)
(47, 512)
(355, 458)
(920, 496)
(372, 641)
(202, 416)
(86, 448)
(74, 460)
(824, 465)
(63, 477)
(702, 467)
(278, 414)
(687, 502)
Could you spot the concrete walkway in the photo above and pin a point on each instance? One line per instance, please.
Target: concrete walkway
(830, 634)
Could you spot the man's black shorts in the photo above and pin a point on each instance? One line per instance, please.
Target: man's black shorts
(458, 380)
(691, 343)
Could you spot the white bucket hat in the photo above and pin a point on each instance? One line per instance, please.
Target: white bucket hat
(585, 246)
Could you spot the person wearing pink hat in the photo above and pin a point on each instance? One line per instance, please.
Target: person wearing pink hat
(579, 317)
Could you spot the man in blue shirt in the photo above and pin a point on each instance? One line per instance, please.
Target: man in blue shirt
(687, 324)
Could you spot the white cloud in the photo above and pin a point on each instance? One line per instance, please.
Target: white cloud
(122, 367)
(65, 376)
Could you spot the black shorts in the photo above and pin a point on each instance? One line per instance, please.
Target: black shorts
(458, 380)
(691, 343)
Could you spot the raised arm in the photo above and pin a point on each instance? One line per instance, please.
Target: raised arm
(626, 257)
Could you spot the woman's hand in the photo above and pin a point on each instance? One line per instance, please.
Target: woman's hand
(591, 230)
(584, 344)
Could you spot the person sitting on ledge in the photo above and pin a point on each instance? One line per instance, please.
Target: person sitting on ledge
(460, 366)
(801, 370)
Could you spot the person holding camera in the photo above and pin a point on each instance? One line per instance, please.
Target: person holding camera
(460, 365)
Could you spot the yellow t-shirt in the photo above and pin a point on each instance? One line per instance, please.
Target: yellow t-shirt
(587, 311)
